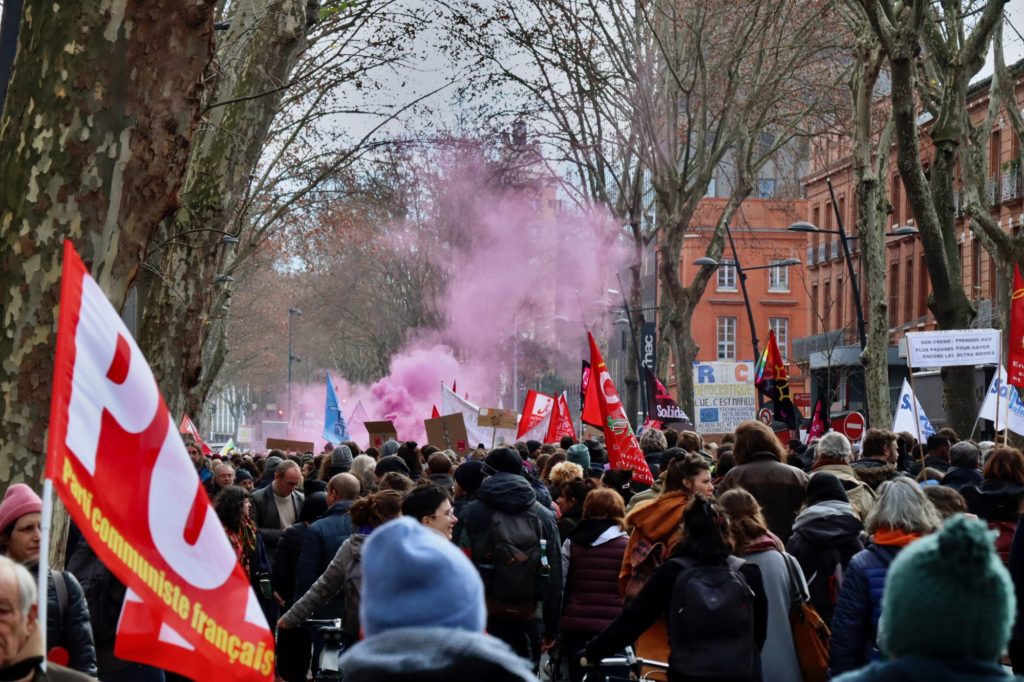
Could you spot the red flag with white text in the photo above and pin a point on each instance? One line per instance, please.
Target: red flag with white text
(623, 449)
(1015, 344)
(561, 421)
(119, 465)
(188, 427)
(536, 408)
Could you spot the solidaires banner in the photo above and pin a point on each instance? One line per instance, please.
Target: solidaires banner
(119, 465)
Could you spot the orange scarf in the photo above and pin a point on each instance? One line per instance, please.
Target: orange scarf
(894, 537)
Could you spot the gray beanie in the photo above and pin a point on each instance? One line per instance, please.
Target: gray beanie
(271, 465)
(578, 454)
(341, 459)
(390, 447)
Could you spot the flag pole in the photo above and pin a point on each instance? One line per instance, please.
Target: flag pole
(917, 418)
(45, 522)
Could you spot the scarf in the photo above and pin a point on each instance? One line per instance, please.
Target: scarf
(762, 544)
(244, 543)
(894, 537)
(589, 530)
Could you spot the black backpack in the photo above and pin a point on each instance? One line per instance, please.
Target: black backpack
(711, 621)
(514, 561)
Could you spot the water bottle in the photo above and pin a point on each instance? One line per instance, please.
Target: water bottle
(545, 567)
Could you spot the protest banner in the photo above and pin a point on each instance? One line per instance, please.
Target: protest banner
(723, 395)
(289, 445)
(380, 432)
(952, 348)
(117, 461)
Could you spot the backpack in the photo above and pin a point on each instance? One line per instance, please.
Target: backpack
(711, 621)
(350, 624)
(515, 564)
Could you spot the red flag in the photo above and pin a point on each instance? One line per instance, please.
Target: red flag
(188, 427)
(818, 425)
(623, 449)
(536, 408)
(434, 414)
(120, 467)
(1015, 344)
(561, 421)
(591, 410)
(454, 390)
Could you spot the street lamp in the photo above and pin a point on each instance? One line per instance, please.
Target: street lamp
(291, 358)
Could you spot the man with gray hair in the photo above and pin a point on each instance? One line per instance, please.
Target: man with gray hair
(833, 455)
(963, 466)
(21, 638)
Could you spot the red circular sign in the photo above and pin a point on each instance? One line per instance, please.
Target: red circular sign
(766, 416)
(853, 426)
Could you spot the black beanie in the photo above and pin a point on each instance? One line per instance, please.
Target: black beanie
(823, 486)
(502, 461)
(391, 463)
(470, 475)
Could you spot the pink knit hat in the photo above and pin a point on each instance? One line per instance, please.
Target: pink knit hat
(18, 501)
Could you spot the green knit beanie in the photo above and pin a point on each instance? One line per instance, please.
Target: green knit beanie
(948, 596)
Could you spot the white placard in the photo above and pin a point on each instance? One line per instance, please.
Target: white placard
(723, 395)
(952, 348)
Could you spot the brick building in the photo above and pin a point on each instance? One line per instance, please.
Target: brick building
(832, 346)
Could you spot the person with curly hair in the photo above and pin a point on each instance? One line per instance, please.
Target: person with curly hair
(234, 509)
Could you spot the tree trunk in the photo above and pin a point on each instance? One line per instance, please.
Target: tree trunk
(94, 139)
(871, 223)
(933, 208)
(180, 319)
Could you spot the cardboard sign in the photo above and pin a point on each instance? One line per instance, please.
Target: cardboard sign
(286, 445)
(381, 432)
(448, 433)
(493, 417)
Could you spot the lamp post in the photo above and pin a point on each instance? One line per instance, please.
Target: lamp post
(291, 358)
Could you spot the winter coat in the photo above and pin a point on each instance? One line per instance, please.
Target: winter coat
(264, 513)
(282, 567)
(70, 627)
(874, 472)
(860, 494)
(645, 496)
(778, 655)
(958, 478)
(318, 549)
(918, 669)
(513, 494)
(425, 654)
(569, 521)
(998, 503)
(443, 480)
(1016, 567)
(855, 621)
(930, 462)
(58, 673)
(825, 537)
(344, 567)
(654, 521)
(650, 605)
(591, 557)
(778, 488)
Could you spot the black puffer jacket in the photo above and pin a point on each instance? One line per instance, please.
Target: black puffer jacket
(513, 494)
(69, 627)
(825, 538)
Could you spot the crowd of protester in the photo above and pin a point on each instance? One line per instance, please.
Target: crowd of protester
(538, 560)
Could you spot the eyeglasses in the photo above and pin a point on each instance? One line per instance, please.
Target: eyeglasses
(450, 513)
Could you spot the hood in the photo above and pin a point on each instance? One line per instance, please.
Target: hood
(828, 523)
(507, 492)
(659, 518)
(873, 472)
(994, 500)
(428, 654)
(918, 669)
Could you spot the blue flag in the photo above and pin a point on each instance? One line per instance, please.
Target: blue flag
(335, 427)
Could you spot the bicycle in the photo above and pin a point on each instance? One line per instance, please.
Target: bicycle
(330, 631)
(627, 667)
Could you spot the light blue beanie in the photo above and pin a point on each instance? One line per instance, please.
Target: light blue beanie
(413, 577)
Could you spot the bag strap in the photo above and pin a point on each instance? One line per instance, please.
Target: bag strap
(60, 586)
(798, 596)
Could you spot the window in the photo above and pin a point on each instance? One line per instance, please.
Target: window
(975, 269)
(726, 276)
(894, 295)
(908, 302)
(995, 153)
(840, 313)
(765, 188)
(826, 306)
(780, 325)
(816, 221)
(778, 277)
(727, 338)
(923, 283)
(814, 309)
